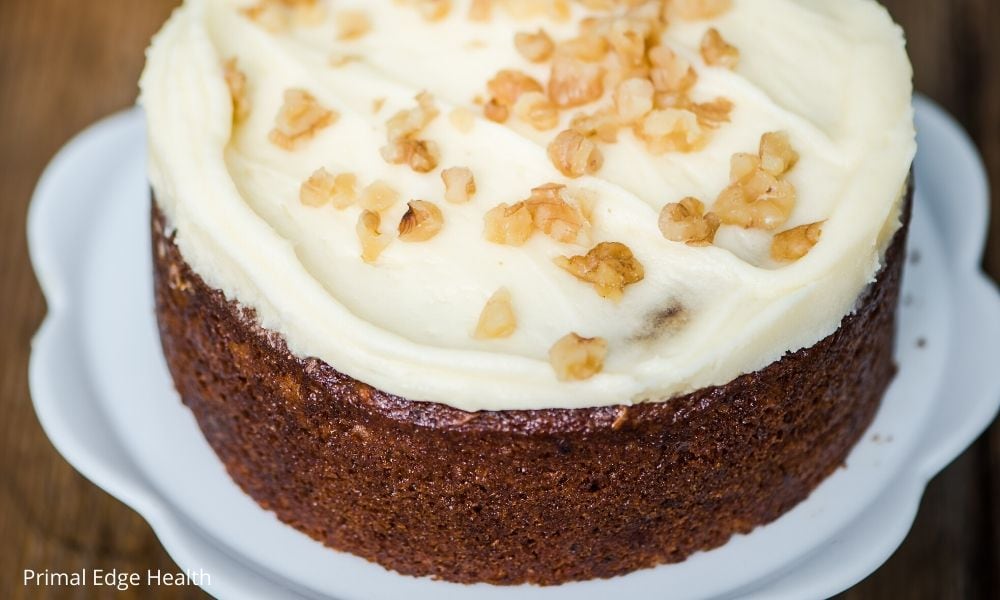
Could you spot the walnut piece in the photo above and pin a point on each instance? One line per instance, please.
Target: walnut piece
(373, 241)
(236, 80)
(522, 10)
(433, 10)
(574, 83)
(602, 124)
(670, 73)
(634, 99)
(481, 10)
(318, 189)
(459, 184)
(535, 47)
(776, 154)
(694, 10)
(711, 114)
(402, 129)
(686, 222)
(422, 221)
(757, 196)
(507, 224)
(717, 52)
(421, 155)
(353, 24)
(577, 358)
(497, 319)
(278, 15)
(508, 85)
(574, 154)
(609, 266)
(496, 112)
(536, 109)
(795, 243)
(300, 117)
(671, 130)
(378, 196)
(553, 215)
(587, 47)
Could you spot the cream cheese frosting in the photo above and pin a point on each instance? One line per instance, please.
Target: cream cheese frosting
(833, 75)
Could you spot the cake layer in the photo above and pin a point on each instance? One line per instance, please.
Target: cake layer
(545, 496)
(833, 76)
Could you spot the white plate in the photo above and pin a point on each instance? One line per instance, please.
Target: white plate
(103, 394)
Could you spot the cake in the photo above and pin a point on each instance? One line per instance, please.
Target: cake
(529, 291)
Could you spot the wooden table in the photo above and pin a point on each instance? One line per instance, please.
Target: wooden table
(65, 63)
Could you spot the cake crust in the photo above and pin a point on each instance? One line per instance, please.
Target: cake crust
(544, 496)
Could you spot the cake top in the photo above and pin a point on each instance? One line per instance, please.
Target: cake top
(521, 204)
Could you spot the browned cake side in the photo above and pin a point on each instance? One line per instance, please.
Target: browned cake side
(545, 496)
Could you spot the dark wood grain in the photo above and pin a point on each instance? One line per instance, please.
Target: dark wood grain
(64, 64)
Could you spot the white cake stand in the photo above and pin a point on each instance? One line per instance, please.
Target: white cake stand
(103, 394)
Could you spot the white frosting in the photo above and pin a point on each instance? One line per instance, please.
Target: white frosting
(834, 75)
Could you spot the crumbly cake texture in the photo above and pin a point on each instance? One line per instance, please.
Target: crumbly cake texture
(545, 496)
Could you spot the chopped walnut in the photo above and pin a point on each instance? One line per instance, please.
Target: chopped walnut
(602, 124)
(609, 266)
(711, 114)
(508, 85)
(671, 130)
(403, 147)
(345, 190)
(717, 52)
(795, 243)
(553, 215)
(627, 38)
(268, 15)
(323, 187)
(508, 224)
(463, 119)
(408, 123)
(574, 154)
(236, 80)
(687, 222)
(497, 319)
(587, 47)
(421, 155)
(693, 10)
(574, 83)
(776, 154)
(536, 109)
(433, 10)
(300, 117)
(522, 10)
(353, 24)
(373, 241)
(481, 10)
(496, 112)
(459, 184)
(742, 165)
(318, 189)
(634, 99)
(758, 197)
(758, 201)
(278, 15)
(576, 358)
(378, 196)
(422, 221)
(670, 72)
(535, 47)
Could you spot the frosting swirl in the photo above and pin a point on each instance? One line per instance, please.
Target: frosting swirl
(833, 75)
